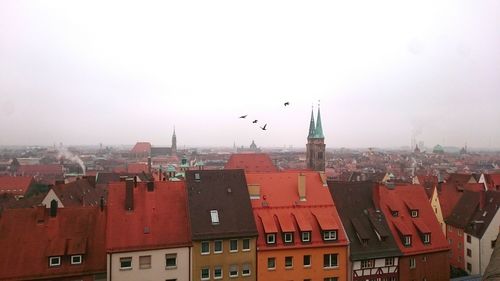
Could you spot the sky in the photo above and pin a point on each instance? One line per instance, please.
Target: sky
(118, 72)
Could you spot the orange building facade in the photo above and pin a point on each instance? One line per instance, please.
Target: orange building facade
(300, 233)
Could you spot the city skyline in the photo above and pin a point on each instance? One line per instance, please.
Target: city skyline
(70, 73)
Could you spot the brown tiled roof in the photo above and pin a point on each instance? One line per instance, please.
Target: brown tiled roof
(463, 210)
(355, 204)
(482, 217)
(226, 192)
(79, 193)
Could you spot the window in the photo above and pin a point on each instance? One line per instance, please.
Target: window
(469, 267)
(407, 240)
(271, 263)
(449, 241)
(246, 244)
(424, 258)
(144, 262)
(414, 213)
(217, 246)
(389, 261)
(307, 260)
(413, 263)
(330, 260)
(306, 236)
(395, 214)
(468, 238)
(367, 264)
(233, 245)
(288, 237)
(170, 261)
(459, 232)
(330, 235)
(246, 270)
(214, 215)
(76, 259)
(331, 279)
(218, 272)
(427, 238)
(233, 270)
(469, 253)
(493, 243)
(54, 261)
(271, 238)
(450, 228)
(126, 263)
(205, 273)
(205, 248)
(288, 262)
(459, 245)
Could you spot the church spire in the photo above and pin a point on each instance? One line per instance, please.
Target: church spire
(318, 132)
(311, 126)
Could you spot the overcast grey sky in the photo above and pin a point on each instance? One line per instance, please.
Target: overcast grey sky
(85, 72)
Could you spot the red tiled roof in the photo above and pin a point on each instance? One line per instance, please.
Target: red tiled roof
(268, 222)
(251, 162)
(141, 147)
(162, 212)
(285, 221)
(15, 185)
(280, 199)
(137, 168)
(450, 193)
(26, 244)
(406, 225)
(41, 169)
(492, 181)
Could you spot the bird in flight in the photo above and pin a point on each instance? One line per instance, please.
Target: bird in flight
(244, 116)
(287, 103)
(254, 121)
(264, 128)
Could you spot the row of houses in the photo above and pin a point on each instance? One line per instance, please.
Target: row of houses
(230, 225)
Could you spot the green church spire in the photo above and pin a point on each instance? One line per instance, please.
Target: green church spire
(318, 132)
(311, 126)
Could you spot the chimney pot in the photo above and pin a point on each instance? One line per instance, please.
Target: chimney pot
(302, 187)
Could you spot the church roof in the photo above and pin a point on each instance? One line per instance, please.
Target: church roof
(318, 134)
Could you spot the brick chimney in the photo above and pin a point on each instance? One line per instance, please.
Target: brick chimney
(129, 194)
(302, 187)
(149, 164)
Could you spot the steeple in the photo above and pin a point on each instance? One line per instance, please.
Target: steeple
(318, 132)
(174, 143)
(311, 126)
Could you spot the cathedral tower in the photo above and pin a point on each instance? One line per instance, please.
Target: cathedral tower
(174, 144)
(315, 157)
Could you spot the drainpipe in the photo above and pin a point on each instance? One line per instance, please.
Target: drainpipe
(110, 266)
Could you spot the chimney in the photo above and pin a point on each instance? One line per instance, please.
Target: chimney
(135, 181)
(302, 187)
(149, 164)
(53, 208)
(40, 213)
(150, 186)
(101, 203)
(482, 199)
(323, 178)
(129, 194)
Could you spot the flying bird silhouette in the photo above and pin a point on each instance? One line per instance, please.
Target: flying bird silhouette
(287, 103)
(254, 121)
(244, 116)
(264, 128)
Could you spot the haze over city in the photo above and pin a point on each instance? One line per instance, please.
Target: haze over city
(118, 72)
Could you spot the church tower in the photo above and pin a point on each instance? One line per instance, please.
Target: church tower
(174, 144)
(315, 157)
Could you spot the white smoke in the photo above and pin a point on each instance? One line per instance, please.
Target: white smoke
(64, 152)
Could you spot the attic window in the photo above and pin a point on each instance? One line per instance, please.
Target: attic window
(426, 238)
(76, 259)
(414, 213)
(271, 238)
(214, 215)
(395, 214)
(54, 261)
(330, 235)
(407, 240)
(288, 237)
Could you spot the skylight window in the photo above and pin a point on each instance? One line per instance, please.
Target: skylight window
(214, 215)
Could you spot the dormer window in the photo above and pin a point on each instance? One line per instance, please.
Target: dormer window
(271, 238)
(288, 237)
(214, 215)
(407, 240)
(426, 238)
(54, 261)
(395, 214)
(414, 213)
(76, 259)
(306, 236)
(330, 235)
